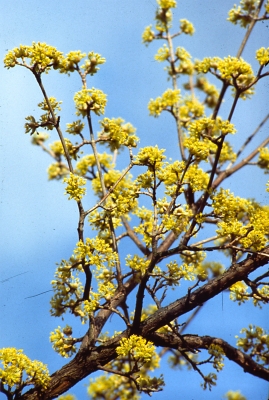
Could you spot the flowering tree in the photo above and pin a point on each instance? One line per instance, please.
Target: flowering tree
(176, 214)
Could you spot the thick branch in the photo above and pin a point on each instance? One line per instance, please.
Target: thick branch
(235, 273)
(203, 342)
(80, 367)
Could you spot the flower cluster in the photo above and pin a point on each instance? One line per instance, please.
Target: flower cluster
(232, 67)
(239, 292)
(262, 55)
(136, 347)
(184, 66)
(190, 109)
(67, 288)
(137, 263)
(97, 252)
(120, 385)
(235, 71)
(117, 134)
(73, 188)
(263, 160)
(152, 157)
(57, 171)
(86, 163)
(53, 103)
(243, 13)
(256, 343)
(167, 101)
(186, 27)
(163, 54)
(217, 352)
(203, 134)
(87, 100)
(62, 341)
(90, 65)
(41, 57)
(75, 128)
(71, 62)
(164, 15)
(58, 149)
(231, 395)
(19, 371)
(197, 178)
(242, 219)
(148, 35)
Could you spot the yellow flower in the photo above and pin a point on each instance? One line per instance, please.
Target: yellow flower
(90, 99)
(148, 35)
(18, 370)
(73, 187)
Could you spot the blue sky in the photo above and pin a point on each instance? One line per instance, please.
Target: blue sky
(38, 224)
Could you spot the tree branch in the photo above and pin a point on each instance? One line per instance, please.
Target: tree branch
(203, 342)
(235, 273)
(88, 358)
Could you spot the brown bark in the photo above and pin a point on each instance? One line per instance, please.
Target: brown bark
(203, 342)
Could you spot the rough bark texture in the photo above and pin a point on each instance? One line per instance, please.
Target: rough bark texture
(88, 359)
(203, 342)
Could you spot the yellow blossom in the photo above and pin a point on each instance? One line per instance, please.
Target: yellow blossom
(186, 27)
(137, 348)
(170, 98)
(117, 134)
(239, 292)
(75, 128)
(74, 189)
(263, 160)
(62, 341)
(90, 99)
(262, 55)
(18, 370)
(148, 35)
(41, 57)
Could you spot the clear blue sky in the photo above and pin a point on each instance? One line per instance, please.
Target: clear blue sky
(38, 224)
